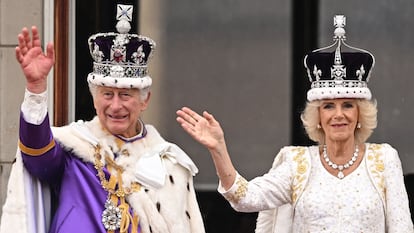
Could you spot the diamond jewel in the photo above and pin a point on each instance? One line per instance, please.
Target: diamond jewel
(341, 175)
(111, 216)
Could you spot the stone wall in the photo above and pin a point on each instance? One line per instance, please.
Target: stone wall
(14, 14)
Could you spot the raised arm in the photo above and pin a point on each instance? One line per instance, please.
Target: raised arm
(208, 132)
(34, 62)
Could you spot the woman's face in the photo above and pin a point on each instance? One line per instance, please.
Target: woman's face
(119, 109)
(339, 118)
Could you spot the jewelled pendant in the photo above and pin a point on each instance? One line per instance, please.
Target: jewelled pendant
(341, 175)
(111, 216)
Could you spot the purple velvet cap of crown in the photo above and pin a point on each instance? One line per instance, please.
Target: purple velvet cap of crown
(105, 41)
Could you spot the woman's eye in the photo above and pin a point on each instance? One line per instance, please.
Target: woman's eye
(327, 106)
(348, 105)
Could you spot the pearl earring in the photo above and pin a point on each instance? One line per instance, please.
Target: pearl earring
(359, 125)
(319, 126)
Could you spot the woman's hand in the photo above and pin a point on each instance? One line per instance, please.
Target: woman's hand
(204, 129)
(35, 64)
(207, 131)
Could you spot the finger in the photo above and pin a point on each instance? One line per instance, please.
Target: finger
(22, 44)
(188, 111)
(209, 117)
(185, 125)
(19, 56)
(35, 37)
(25, 32)
(26, 37)
(180, 113)
(185, 116)
(197, 117)
(50, 51)
(190, 115)
(182, 121)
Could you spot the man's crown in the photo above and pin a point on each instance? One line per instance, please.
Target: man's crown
(120, 59)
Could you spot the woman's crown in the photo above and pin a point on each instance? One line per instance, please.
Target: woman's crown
(339, 70)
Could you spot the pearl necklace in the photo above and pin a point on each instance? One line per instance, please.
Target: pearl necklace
(335, 166)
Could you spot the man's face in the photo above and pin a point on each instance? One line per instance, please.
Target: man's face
(119, 109)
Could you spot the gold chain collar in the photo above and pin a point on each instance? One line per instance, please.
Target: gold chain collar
(116, 215)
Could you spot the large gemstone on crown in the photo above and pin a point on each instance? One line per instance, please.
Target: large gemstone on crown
(117, 71)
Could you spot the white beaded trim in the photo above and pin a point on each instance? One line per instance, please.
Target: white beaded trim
(122, 82)
(338, 92)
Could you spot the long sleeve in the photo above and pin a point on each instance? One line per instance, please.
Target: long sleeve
(265, 192)
(398, 217)
(34, 107)
(39, 150)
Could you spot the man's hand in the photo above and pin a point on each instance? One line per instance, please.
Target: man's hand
(35, 64)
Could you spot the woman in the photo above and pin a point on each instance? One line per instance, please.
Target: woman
(341, 185)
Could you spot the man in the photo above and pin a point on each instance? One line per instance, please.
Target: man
(110, 174)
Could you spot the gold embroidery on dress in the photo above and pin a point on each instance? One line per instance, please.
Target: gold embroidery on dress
(377, 167)
(241, 190)
(301, 170)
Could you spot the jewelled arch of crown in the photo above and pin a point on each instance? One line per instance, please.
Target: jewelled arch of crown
(118, 66)
(338, 70)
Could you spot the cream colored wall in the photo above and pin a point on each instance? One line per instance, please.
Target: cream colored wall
(14, 14)
(151, 11)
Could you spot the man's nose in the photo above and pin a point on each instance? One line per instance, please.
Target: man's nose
(116, 102)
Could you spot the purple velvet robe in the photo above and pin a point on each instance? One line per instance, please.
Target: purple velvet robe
(74, 182)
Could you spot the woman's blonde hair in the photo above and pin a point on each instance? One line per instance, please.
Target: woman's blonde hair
(367, 119)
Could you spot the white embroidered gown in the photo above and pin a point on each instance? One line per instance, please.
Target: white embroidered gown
(329, 204)
(324, 203)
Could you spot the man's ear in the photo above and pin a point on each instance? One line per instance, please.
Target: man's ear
(146, 101)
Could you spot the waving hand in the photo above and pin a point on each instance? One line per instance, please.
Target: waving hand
(207, 131)
(204, 129)
(34, 63)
